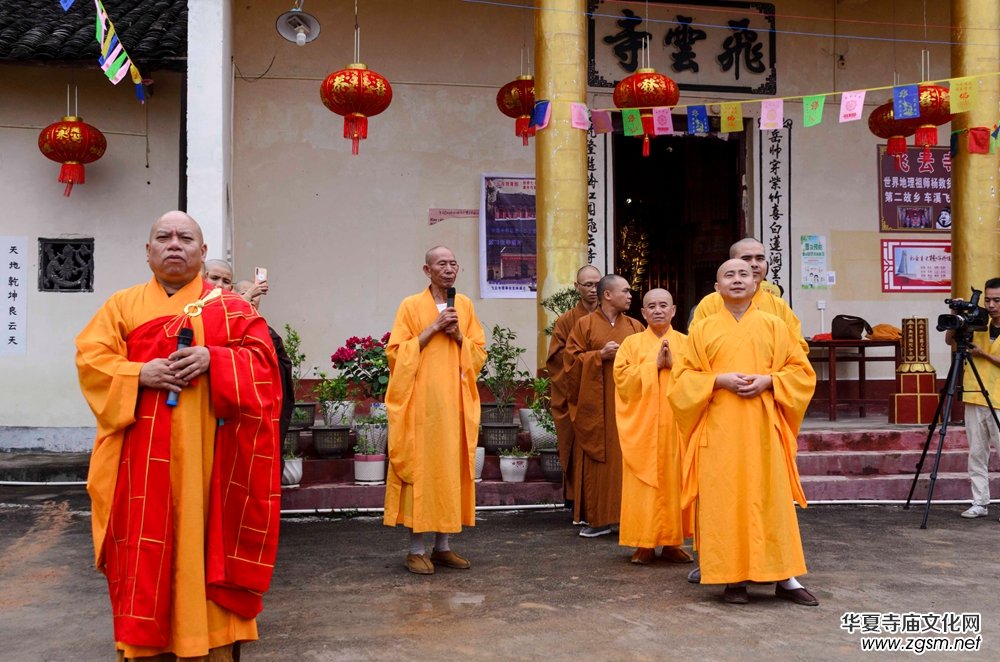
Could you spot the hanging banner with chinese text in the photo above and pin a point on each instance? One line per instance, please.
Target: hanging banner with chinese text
(916, 195)
(507, 237)
(14, 277)
(711, 45)
(916, 265)
(774, 163)
(599, 180)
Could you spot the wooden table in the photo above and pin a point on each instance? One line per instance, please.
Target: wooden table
(832, 356)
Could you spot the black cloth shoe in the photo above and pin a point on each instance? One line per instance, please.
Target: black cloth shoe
(735, 594)
(799, 596)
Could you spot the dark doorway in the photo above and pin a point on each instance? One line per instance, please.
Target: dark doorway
(677, 211)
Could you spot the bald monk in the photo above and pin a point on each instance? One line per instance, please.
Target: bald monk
(435, 352)
(739, 395)
(590, 385)
(586, 286)
(651, 454)
(219, 273)
(186, 498)
(767, 296)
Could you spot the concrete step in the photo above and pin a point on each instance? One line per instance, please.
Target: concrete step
(949, 485)
(891, 438)
(889, 462)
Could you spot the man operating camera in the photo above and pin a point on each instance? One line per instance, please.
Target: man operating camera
(980, 428)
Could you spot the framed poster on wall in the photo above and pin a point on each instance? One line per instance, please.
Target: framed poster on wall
(915, 192)
(507, 247)
(916, 265)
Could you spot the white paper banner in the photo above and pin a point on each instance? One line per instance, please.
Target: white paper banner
(14, 282)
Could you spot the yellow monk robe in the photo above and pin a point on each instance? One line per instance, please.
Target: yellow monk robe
(559, 405)
(590, 386)
(433, 407)
(651, 453)
(739, 453)
(110, 383)
(765, 299)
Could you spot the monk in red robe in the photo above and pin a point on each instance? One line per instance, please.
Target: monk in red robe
(435, 351)
(586, 286)
(740, 392)
(590, 385)
(185, 493)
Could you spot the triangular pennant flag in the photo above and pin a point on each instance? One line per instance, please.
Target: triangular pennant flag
(631, 122)
(852, 104)
(732, 117)
(772, 114)
(578, 118)
(663, 121)
(812, 109)
(66, 4)
(601, 120)
(979, 140)
(697, 119)
(541, 115)
(963, 93)
(905, 102)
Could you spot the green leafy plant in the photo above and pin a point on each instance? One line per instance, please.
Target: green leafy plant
(362, 361)
(293, 345)
(291, 455)
(517, 452)
(377, 418)
(331, 389)
(558, 303)
(540, 403)
(500, 373)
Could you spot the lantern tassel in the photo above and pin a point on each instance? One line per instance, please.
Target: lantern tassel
(523, 128)
(356, 129)
(71, 173)
(896, 145)
(645, 144)
(926, 136)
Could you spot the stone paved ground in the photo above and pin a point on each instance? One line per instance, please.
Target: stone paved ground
(536, 590)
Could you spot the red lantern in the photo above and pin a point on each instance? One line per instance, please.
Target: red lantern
(935, 102)
(517, 99)
(882, 123)
(73, 143)
(646, 89)
(357, 94)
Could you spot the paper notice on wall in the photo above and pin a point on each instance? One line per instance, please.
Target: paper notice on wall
(14, 286)
(814, 272)
(438, 215)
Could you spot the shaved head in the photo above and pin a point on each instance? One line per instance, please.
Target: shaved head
(177, 216)
(752, 252)
(218, 272)
(586, 272)
(744, 245)
(657, 294)
(431, 255)
(730, 265)
(658, 310)
(176, 250)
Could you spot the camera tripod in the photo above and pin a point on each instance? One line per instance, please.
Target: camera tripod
(942, 414)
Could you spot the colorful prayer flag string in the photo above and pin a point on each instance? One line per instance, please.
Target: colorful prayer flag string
(114, 61)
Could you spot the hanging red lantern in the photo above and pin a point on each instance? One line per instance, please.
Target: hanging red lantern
(935, 101)
(645, 90)
(882, 123)
(357, 93)
(516, 99)
(73, 143)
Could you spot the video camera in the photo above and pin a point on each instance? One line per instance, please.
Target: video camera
(965, 317)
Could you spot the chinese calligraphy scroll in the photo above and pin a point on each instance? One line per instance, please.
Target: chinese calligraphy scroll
(774, 163)
(13, 278)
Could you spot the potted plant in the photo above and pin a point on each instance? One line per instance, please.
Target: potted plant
(363, 365)
(334, 401)
(303, 413)
(558, 303)
(373, 432)
(369, 461)
(291, 473)
(536, 418)
(514, 464)
(501, 375)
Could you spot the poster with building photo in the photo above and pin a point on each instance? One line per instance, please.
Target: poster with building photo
(507, 250)
(915, 190)
(916, 265)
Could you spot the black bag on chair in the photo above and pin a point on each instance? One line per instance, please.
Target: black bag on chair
(849, 327)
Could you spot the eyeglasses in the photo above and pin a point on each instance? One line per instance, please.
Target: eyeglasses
(587, 286)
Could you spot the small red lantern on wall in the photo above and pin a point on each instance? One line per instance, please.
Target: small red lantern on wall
(517, 99)
(73, 143)
(882, 123)
(646, 89)
(357, 93)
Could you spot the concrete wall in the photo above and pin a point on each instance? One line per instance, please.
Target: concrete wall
(116, 207)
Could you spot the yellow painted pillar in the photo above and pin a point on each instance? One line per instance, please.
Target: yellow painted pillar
(975, 211)
(560, 151)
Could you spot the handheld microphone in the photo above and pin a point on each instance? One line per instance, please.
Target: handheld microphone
(451, 297)
(184, 340)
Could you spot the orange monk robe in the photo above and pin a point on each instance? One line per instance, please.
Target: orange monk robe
(765, 299)
(433, 407)
(110, 383)
(590, 386)
(739, 460)
(559, 405)
(651, 453)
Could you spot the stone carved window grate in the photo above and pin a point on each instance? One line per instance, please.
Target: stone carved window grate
(66, 265)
